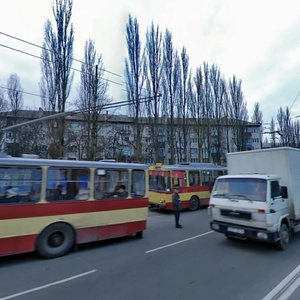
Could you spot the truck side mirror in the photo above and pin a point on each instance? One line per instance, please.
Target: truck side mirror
(284, 192)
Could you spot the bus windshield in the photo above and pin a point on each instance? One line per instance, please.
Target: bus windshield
(159, 180)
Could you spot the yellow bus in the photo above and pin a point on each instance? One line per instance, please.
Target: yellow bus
(193, 180)
(49, 206)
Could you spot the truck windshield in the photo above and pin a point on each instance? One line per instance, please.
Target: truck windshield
(252, 189)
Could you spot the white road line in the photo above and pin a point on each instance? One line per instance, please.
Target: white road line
(48, 285)
(179, 242)
(286, 287)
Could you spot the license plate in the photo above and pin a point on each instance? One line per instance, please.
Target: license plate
(236, 230)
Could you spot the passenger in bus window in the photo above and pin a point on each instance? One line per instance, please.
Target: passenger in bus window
(98, 193)
(34, 195)
(120, 191)
(58, 194)
(11, 195)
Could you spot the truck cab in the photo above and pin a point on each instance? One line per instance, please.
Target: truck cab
(251, 206)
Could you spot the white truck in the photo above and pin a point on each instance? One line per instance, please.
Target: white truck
(260, 197)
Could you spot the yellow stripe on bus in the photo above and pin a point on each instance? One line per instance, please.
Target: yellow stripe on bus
(34, 225)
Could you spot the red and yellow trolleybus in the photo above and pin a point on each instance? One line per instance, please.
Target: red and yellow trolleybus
(49, 206)
(193, 180)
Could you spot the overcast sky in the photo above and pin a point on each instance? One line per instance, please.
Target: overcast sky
(258, 41)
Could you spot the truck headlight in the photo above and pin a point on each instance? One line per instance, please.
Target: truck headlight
(215, 226)
(262, 235)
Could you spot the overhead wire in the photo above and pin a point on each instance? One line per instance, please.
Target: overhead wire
(44, 48)
(36, 56)
(77, 111)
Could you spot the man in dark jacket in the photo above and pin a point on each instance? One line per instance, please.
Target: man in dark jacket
(177, 207)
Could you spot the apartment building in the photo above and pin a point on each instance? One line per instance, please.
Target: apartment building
(206, 141)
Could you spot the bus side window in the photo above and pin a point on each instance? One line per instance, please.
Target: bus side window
(138, 183)
(20, 184)
(194, 178)
(67, 184)
(108, 183)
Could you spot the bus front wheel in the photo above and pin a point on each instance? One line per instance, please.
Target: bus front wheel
(194, 203)
(56, 240)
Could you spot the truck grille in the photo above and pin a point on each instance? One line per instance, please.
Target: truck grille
(237, 214)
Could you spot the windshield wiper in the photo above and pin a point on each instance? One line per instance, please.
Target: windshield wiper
(220, 195)
(238, 196)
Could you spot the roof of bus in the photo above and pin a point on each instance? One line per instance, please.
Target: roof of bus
(70, 163)
(189, 166)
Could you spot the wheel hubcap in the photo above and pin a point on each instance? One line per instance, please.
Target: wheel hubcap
(56, 239)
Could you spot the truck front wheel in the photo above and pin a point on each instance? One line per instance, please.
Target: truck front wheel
(284, 237)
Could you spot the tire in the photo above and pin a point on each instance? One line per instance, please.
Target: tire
(194, 203)
(284, 237)
(139, 234)
(56, 240)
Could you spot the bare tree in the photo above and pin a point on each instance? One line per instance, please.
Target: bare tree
(257, 117)
(239, 113)
(56, 69)
(218, 87)
(134, 71)
(93, 96)
(273, 133)
(285, 127)
(207, 112)
(15, 97)
(3, 114)
(153, 58)
(15, 93)
(182, 106)
(197, 110)
(171, 71)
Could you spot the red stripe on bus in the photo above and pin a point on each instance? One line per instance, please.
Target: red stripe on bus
(27, 210)
(186, 189)
(86, 235)
(15, 245)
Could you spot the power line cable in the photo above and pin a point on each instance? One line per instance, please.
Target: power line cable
(295, 99)
(44, 48)
(64, 114)
(36, 56)
(27, 93)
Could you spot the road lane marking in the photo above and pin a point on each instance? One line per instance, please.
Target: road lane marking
(286, 287)
(48, 285)
(179, 242)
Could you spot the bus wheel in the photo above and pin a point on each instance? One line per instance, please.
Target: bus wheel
(139, 234)
(284, 237)
(56, 240)
(194, 203)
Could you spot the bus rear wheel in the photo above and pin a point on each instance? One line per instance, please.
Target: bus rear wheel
(194, 203)
(56, 240)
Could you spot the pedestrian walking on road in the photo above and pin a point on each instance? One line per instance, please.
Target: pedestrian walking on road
(177, 207)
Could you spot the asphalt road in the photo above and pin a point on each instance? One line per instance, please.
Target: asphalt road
(168, 263)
